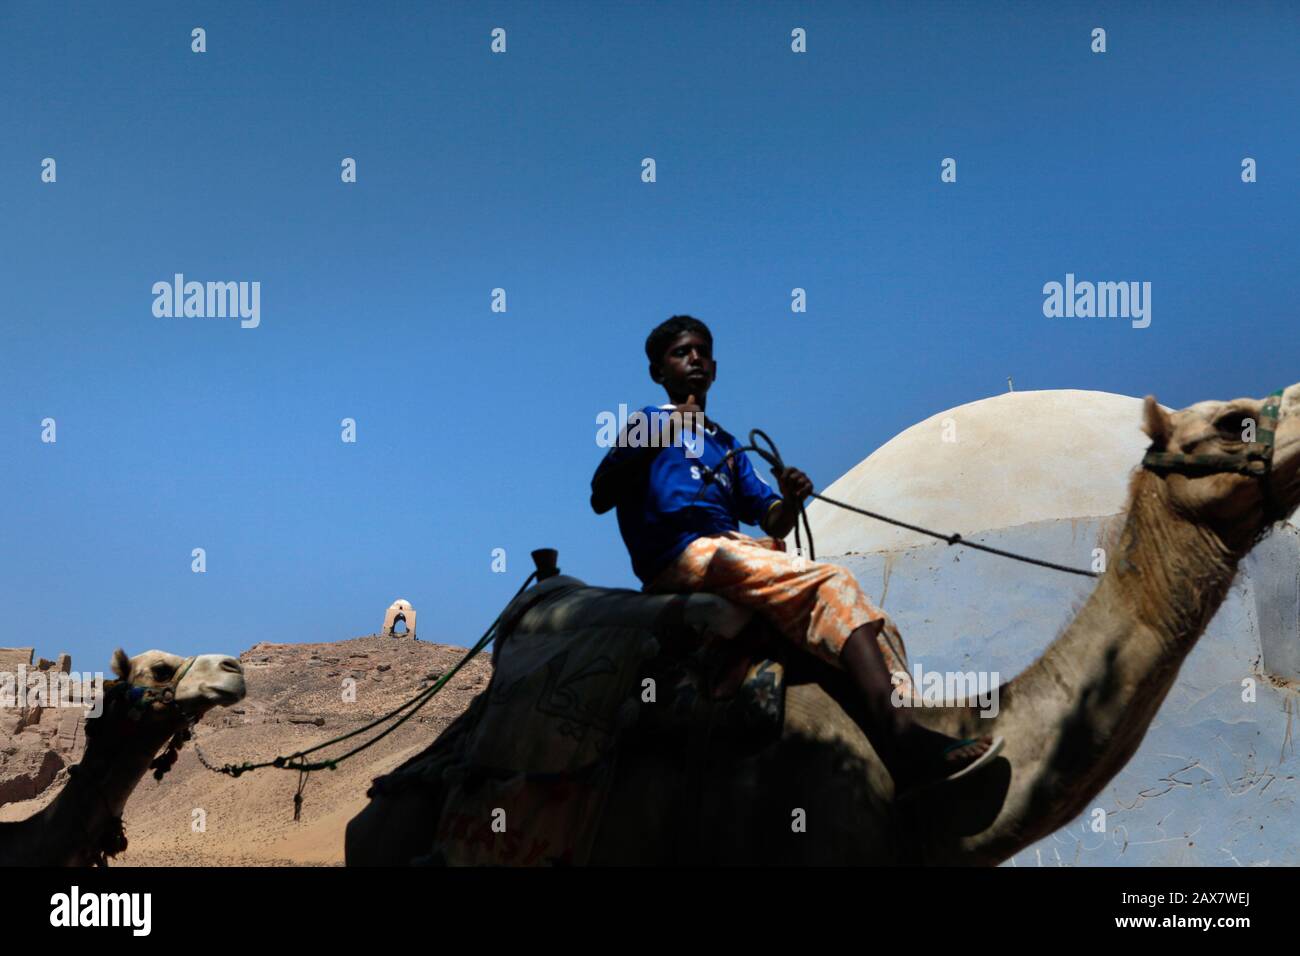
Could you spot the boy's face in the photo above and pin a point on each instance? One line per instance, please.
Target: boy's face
(687, 367)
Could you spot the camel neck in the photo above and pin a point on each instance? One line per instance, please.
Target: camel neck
(88, 810)
(1077, 715)
(1168, 575)
(1166, 578)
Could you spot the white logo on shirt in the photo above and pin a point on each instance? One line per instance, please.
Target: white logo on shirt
(720, 476)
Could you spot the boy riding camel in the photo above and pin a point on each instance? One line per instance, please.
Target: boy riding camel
(681, 526)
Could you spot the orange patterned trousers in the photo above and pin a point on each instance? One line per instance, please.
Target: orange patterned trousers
(815, 605)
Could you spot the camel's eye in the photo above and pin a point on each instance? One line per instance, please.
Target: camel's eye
(162, 671)
(1234, 425)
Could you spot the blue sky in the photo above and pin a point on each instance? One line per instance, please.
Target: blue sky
(476, 430)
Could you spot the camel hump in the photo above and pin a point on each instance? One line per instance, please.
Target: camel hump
(575, 669)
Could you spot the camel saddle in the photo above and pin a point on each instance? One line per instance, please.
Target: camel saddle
(579, 672)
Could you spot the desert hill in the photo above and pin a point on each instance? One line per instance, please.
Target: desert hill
(295, 700)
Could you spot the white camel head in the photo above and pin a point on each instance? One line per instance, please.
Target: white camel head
(160, 683)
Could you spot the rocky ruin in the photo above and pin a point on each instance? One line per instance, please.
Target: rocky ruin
(36, 741)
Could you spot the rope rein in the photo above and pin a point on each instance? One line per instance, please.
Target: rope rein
(773, 458)
(297, 761)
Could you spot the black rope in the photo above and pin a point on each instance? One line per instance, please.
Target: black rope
(773, 458)
(956, 538)
(297, 761)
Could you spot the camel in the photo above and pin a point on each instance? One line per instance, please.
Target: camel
(156, 699)
(1071, 720)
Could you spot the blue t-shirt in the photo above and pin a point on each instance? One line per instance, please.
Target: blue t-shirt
(674, 505)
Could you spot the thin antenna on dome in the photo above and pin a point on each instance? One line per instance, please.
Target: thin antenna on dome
(1010, 387)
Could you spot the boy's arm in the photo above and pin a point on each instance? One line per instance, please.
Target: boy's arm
(623, 466)
(782, 515)
(776, 520)
(780, 518)
(619, 471)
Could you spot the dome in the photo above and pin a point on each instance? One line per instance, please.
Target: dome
(1008, 460)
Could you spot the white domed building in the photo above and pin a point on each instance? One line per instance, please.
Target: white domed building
(1044, 473)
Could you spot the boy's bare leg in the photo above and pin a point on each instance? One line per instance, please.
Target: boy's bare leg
(909, 751)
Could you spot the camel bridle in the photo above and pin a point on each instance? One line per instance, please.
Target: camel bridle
(1255, 460)
(140, 697)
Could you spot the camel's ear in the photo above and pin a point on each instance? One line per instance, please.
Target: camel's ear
(121, 664)
(1155, 422)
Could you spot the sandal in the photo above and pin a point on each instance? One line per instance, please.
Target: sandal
(994, 748)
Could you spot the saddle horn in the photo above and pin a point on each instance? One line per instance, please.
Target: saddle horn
(544, 560)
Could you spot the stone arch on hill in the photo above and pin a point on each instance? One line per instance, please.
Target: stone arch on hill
(399, 610)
